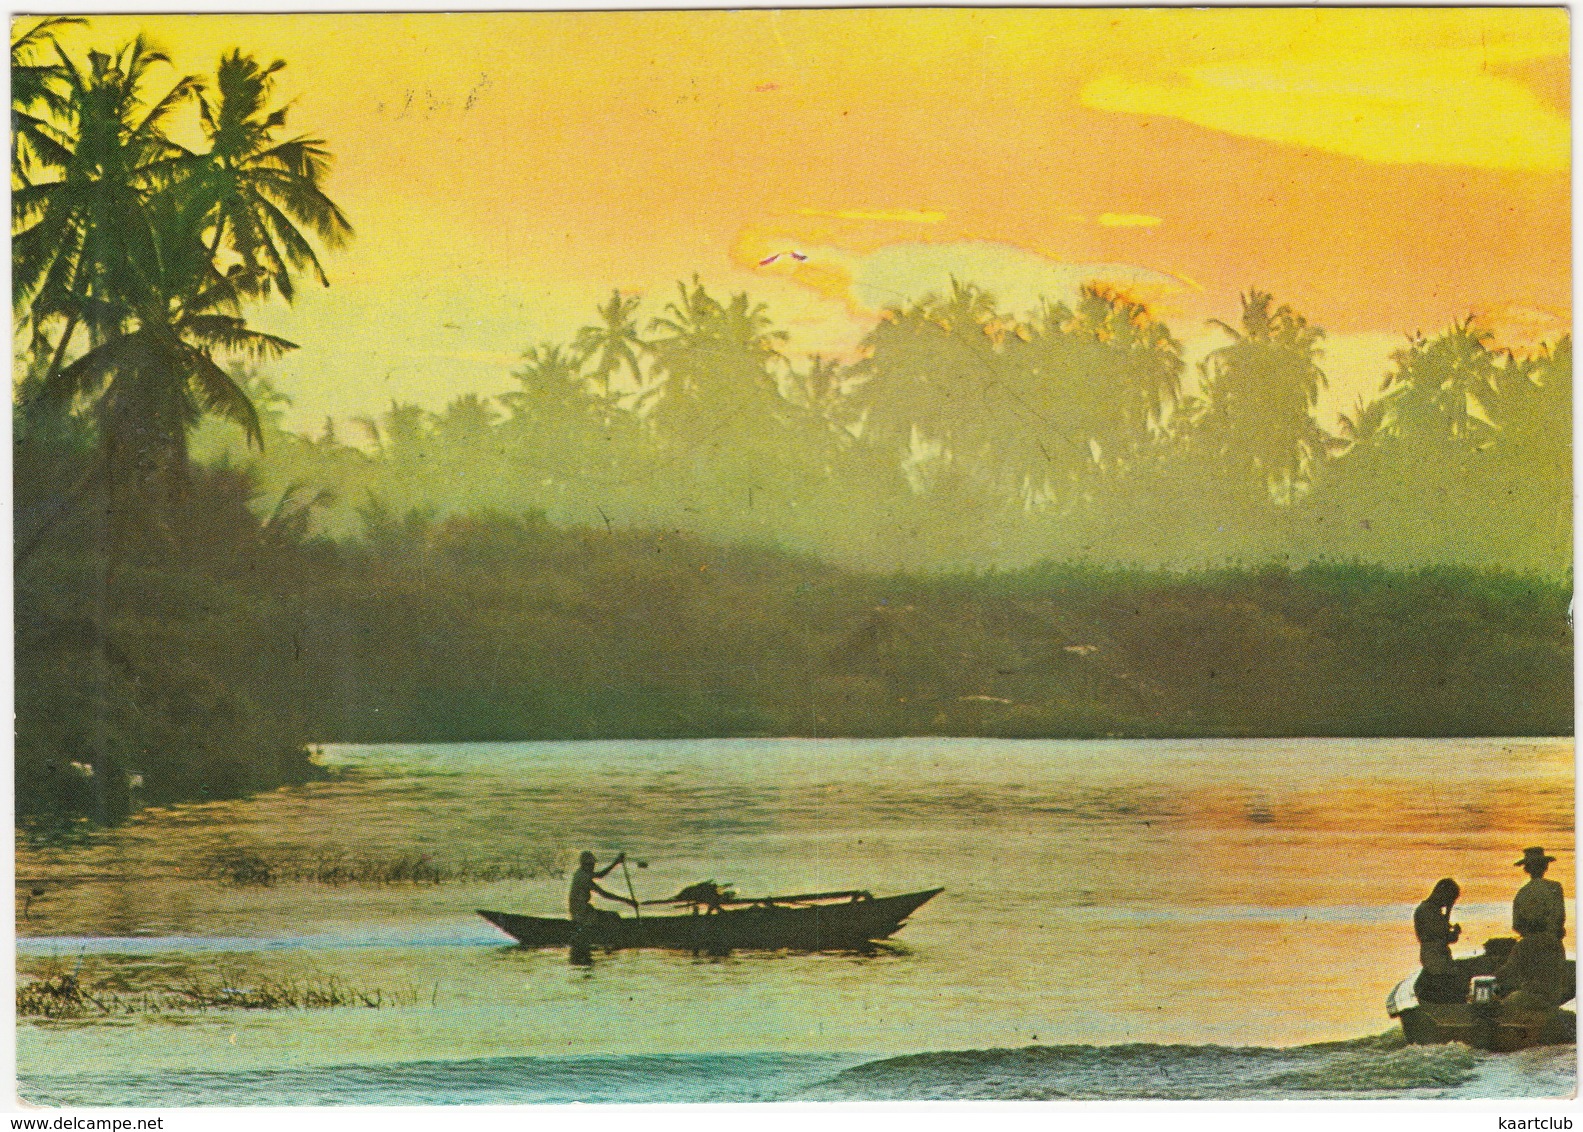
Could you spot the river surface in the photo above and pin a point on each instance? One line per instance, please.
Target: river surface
(1217, 919)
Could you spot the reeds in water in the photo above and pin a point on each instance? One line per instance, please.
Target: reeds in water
(59, 994)
(262, 866)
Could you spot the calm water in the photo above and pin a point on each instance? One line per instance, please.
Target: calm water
(1174, 919)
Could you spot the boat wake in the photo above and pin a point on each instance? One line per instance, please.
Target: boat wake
(1373, 1067)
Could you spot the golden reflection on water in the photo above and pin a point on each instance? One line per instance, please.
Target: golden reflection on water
(1241, 893)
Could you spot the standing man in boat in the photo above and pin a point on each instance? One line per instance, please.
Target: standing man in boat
(585, 882)
(1536, 974)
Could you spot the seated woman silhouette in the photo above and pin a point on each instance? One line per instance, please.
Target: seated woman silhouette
(1436, 933)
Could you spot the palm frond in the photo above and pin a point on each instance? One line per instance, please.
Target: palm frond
(295, 249)
(42, 31)
(233, 336)
(305, 200)
(47, 141)
(89, 373)
(215, 393)
(154, 120)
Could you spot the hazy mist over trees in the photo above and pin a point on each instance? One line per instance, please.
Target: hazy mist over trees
(967, 436)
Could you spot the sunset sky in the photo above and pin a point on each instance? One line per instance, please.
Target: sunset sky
(1384, 171)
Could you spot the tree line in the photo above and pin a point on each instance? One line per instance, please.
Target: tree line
(964, 435)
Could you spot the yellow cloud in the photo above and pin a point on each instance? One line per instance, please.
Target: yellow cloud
(829, 280)
(866, 282)
(1433, 106)
(890, 215)
(1128, 220)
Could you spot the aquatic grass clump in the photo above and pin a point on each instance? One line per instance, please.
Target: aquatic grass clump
(59, 994)
(314, 992)
(241, 867)
(265, 867)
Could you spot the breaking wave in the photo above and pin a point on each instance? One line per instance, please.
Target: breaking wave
(1378, 1066)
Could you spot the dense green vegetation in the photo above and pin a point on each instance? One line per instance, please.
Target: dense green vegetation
(673, 529)
(134, 259)
(200, 672)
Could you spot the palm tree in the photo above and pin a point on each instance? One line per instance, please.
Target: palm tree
(550, 378)
(38, 101)
(926, 361)
(1101, 377)
(405, 436)
(563, 426)
(269, 403)
(614, 340)
(1368, 454)
(151, 380)
(968, 311)
(721, 401)
(1153, 380)
(123, 242)
(555, 402)
(467, 421)
(261, 192)
(1533, 447)
(1535, 398)
(1448, 383)
(687, 322)
(685, 332)
(1259, 393)
(291, 517)
(1367, 424)
(709, 347)
(745, 326)
(83, 243)
(821, 388)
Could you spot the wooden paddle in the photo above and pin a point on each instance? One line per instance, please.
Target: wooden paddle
(636, 913)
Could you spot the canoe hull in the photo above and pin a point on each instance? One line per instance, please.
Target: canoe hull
(815, 927)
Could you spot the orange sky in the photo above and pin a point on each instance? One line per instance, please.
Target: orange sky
(1383, 170)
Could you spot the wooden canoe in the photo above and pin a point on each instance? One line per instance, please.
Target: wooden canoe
(760, 925)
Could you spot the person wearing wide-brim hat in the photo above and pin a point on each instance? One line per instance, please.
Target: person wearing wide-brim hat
(1537, 969)
(1539, 905)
